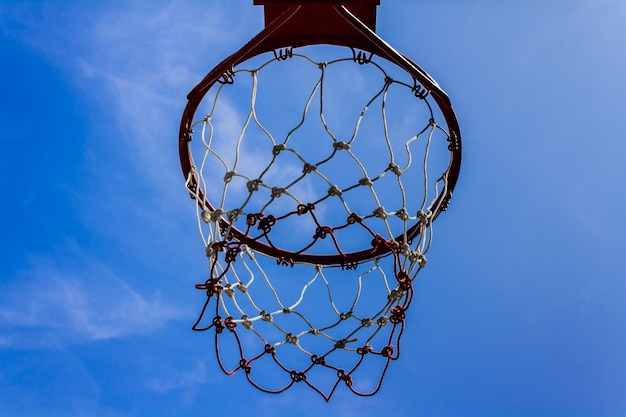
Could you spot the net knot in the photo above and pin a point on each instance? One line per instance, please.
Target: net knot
(213, 248)
(265, 316)
(278, 149)
(246, 322)
(217, 323)
(387, 351)
(424, 217)
(388, 80)
(253, 218)
(211, 215)
(418, 258)
(343, 376)
(322, 231)
(308, 168)
(341, 146)
(233, 215)
(304, 208)
(269, 349)
(266, 223)
(318, 360)
(395, 169)
(345, 316)
(245, 365)
(354, 218)
(380, 213)
(314, 332)
(395, 295)
(402, 214)
(253, 185)
(404, 280)
(364, 350)
(334, 191)
(341, 344)
(382, 321)
(212, 287)
(367, 322)
(297, 376)
(229, 290)
(229, 176)
(291, 338)
(231, 253)
(398, 314)
(378, 241)
(230, 323)
(284, 261)
(277, 191)
(365, 181)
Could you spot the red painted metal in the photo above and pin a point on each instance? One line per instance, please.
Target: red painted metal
(335, 22)
(316, 13)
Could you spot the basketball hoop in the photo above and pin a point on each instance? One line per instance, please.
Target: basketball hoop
(323, 158)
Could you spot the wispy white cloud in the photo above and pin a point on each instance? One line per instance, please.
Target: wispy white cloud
(135, 63)
(76, 299)
(184, 382)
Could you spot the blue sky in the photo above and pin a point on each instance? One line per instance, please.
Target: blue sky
(520, 311)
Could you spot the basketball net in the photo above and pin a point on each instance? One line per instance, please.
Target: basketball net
(315, 208)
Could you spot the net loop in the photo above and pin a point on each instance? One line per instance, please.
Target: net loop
(284, 261)
(228, 77)
(419, 91)
(361, 57)
(283, 53)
